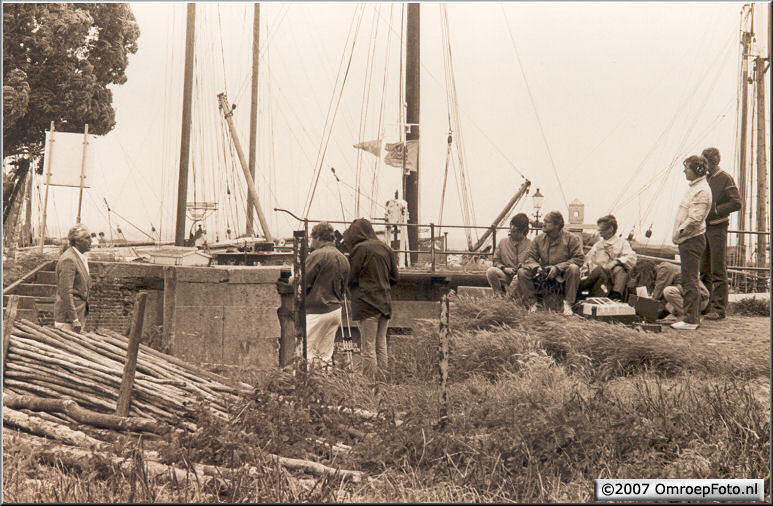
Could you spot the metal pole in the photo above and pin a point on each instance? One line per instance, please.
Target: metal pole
(185, 140)
(83, 172)
(251, 190)
(48, 181)
(253, 107)
(432, 245)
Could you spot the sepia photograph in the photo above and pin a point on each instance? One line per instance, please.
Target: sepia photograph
(385, 252)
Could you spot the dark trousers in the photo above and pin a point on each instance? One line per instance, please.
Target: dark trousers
(571, 280)
(690, 252)
(597, 277)
(714, 267)
(615, 279)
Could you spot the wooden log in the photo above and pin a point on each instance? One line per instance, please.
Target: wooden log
(58, 340)
(82, 415)
(127, 380)
(57, 391)
(11, 312)
(40, 427)
(182, 364)
(168, 400)
(57, 454)
(179, 396)
(168, 369)
(31, 371)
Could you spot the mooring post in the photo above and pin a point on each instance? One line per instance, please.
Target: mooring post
(286, 315)
(135, 335)
(299, 289)
(443, 359)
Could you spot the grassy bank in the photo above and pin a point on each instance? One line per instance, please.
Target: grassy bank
(538, 406)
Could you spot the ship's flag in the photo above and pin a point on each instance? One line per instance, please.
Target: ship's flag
(373, 147)
(394, 155)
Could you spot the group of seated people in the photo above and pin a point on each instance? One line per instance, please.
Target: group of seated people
(554, 261)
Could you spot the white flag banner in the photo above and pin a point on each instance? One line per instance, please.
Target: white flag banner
(65, 156)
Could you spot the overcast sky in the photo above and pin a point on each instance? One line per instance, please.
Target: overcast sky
(592, 101)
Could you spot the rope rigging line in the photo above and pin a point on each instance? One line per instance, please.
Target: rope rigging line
(426, 71)
(332, 110)
(242, 88)
(534, 106)
(382, 107)
(445, 177)
(679, 111)
(364, 107)
(463, 185)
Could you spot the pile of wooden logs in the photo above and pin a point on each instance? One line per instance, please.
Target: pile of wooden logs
(88, 368)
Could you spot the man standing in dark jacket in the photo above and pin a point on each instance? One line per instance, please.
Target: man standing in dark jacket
(373, 273)
(327, 272)
(725, 199)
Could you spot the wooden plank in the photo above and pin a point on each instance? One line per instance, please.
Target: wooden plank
(127, 381)
(8, 322)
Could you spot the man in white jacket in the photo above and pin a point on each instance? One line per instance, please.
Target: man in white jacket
(608, 262)
(688, 235)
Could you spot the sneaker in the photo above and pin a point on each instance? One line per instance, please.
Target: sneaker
(533, 308)
(683, 325)
(568, 309)
(713, 315)
(669, 319)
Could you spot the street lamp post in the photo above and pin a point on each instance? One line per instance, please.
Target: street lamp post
(537, 199)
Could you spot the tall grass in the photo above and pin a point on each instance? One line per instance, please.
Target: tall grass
(539, 405)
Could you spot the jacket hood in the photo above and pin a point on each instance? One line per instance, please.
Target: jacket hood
(360, 230)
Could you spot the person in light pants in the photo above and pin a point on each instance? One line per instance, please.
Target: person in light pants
(327, 271)
(373, 273)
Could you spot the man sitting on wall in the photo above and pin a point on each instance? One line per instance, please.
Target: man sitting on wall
(555, 256)
(668, 288)
(509, 255)
(608, 262)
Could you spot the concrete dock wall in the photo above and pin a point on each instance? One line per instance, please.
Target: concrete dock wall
(221, 315)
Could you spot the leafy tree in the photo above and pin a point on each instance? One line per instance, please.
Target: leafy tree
(59, 60)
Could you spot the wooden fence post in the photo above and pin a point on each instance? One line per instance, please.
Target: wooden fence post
(170, 289)
(443, 360)
(135, 335)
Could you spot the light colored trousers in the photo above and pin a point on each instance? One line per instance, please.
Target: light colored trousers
(498, 280)
(321, 334)
(674, 296)
(373, 332)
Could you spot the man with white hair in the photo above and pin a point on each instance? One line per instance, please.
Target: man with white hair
(73, 282)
